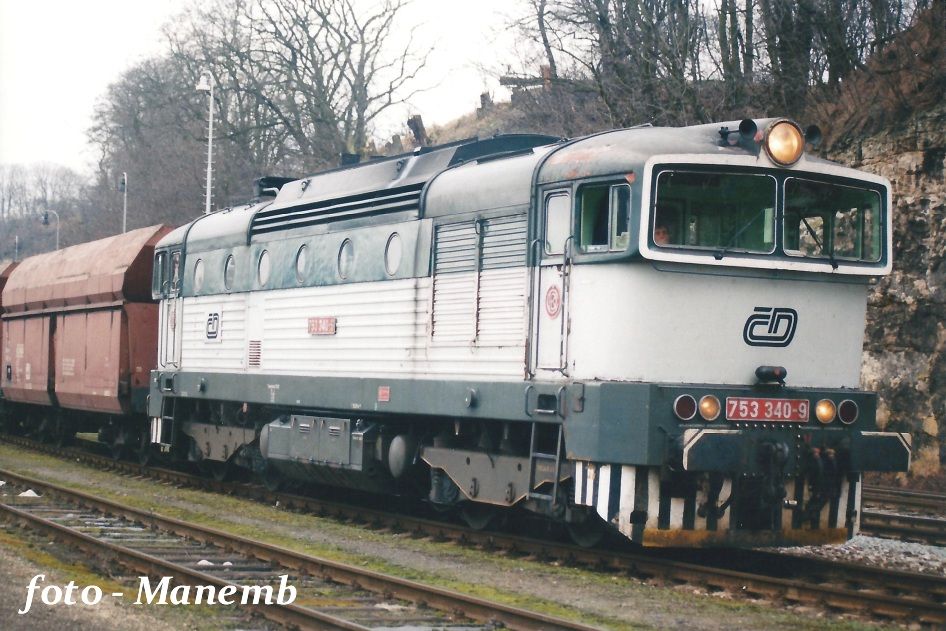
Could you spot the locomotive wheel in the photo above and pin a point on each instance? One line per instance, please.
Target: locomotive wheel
(588, 532)
(477, 516)
(220, 471)
(270, 479)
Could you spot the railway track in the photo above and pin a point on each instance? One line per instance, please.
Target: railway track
(828, 585)
(906, 527)
(900, 499)
(918, 516)
(158, 546)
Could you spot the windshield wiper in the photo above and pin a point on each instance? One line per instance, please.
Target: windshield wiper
(834, 263)
(720, 253)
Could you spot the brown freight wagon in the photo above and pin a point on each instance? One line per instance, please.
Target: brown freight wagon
(4, 275)
(80, 333)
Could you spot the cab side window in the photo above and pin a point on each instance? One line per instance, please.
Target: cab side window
(157, 285)
(603, 217)
(557, 222)
(620, 215)
(175, 271)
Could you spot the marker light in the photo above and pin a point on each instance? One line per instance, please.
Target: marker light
(847, 411)
(709, 407)
(784, 142)
(825, 411)
(684, 406)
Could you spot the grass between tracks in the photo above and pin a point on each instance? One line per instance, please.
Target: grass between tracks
(61, 566)
(628, 599)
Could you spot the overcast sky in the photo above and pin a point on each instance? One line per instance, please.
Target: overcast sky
(58, 56)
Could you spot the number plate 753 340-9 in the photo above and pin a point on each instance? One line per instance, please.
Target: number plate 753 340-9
(770, 410)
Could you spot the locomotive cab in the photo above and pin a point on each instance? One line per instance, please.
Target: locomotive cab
(730, 331)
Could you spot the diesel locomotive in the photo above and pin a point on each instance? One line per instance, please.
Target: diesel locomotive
(650, 331)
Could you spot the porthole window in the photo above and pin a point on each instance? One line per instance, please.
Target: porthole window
(198, 275)
(392, 254)
(346, 258)
(301, 263)
(263, 269)
(229, 272)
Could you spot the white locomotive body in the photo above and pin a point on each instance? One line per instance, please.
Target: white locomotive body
(658, 330)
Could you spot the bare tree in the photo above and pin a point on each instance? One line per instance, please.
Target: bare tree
(642, 56)
(681, 61)
(311, 74)
(14, 190)
(297, 83)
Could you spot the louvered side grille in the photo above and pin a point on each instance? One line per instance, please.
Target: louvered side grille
(386, 201)
(504, 243)
(456, 248)
(479, 282)
(254, 354)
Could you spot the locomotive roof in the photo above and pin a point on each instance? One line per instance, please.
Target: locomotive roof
(623, 150)
(77, 276)
(464, 176)
(378, 187)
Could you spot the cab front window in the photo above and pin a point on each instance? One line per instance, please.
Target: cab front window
(832, 221)
(729, 212)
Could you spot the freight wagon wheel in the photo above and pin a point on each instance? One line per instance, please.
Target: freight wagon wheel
(118, 447)
(588, 532)
(144, 453)
(477, 516)
(20, 425)
(43, 429)
(11, 424)
(62, 430)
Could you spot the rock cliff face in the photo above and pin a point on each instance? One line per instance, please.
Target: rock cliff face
(905, 344)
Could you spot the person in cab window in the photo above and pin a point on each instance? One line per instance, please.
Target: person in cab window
(661, 234)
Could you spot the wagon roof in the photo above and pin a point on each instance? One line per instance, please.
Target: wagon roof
(108, 270)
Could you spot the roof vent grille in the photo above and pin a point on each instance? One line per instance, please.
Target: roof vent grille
(373, 203)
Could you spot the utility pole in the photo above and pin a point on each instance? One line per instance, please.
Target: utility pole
(124, 189)
(46, 223)
(206, 84)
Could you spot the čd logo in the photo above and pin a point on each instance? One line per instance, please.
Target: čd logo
(213, 326)
(770, 326)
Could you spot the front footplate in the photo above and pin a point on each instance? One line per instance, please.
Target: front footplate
(737, 450)
(881, 451)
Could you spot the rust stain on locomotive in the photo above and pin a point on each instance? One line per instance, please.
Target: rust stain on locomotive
(742, 538)
(582, 162)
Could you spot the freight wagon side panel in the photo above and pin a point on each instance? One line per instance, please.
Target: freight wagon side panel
(27, 359)
(4, 276)
(89, 347)
(141, 339)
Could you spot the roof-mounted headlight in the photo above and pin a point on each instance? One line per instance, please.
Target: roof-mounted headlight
(784, 142)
